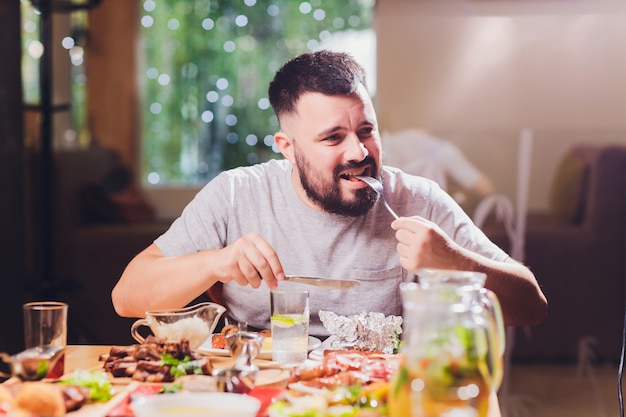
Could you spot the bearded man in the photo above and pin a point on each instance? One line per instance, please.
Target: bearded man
(307, 214)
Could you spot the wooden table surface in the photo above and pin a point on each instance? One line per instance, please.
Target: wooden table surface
(83, 357)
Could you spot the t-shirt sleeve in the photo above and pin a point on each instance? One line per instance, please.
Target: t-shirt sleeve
(460, 227)
(203, 222)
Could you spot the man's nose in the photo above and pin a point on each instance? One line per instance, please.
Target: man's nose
(356, 150)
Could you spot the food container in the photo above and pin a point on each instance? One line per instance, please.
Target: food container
(189, 404)
(194, 323)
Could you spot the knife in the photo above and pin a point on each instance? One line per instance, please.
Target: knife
(327, 283)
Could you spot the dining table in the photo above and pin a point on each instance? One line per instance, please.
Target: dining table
(89, 357)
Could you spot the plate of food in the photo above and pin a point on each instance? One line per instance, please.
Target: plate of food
(344, 383)
(216, 345)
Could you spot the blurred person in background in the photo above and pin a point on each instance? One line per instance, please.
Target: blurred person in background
(418, 152)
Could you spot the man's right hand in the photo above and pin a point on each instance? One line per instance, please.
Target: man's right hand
(248, 260)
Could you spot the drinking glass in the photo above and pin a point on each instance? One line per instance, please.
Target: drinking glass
(290, 325)
(45, 328)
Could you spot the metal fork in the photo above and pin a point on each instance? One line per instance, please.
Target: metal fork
(378, 187)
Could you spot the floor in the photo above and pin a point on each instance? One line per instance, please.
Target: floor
(560, 391)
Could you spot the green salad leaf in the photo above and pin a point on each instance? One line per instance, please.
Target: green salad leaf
(100, 388)
(180, 367)
(171, 388)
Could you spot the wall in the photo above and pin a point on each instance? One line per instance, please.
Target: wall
(476, 72)
(112, 80)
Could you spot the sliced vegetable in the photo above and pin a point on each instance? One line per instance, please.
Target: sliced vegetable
(100, 388)
(179, 367)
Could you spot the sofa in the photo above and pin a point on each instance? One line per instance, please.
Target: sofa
(93, 241)
(576, 249)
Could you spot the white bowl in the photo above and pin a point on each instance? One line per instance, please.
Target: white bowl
(191, 404)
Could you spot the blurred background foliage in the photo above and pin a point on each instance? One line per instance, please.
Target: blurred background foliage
(205, 66)
(205, 72)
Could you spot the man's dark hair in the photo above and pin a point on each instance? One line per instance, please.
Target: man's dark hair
(326, 72)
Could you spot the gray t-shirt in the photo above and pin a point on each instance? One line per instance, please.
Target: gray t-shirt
(261, 199)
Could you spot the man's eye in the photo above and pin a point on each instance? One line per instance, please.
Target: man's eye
(366, 132)
(334, 138)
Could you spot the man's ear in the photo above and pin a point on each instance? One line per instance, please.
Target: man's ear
(285, 146)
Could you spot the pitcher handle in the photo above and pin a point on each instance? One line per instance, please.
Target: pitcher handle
(5, 358)
(490, 299)
(134, 330)
(491, 302)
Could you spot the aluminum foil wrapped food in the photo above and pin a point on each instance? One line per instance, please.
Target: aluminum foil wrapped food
(364, 331)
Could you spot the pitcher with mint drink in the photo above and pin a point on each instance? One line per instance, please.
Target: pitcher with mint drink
(452, 348)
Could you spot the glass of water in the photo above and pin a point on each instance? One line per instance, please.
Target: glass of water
(290, 325)
(45, 336)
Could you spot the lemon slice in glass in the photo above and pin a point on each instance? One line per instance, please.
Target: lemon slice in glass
(281, 320)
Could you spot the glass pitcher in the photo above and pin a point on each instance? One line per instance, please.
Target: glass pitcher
(472, 285)
(452, 348)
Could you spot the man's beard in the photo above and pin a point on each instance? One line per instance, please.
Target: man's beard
(328, 194)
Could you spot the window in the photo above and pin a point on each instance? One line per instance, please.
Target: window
(32, 50)
(68, 78)
(205, 74)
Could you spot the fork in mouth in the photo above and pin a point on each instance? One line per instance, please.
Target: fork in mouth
(378, 187)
